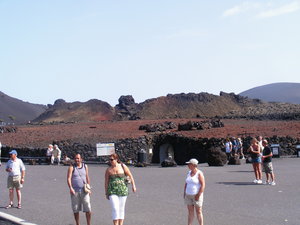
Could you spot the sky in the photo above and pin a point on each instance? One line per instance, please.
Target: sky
(79, 50)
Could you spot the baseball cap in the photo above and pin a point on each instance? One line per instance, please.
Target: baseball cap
(192, 161)
(13, 152)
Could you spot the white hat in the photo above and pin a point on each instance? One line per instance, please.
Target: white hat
(192, 161)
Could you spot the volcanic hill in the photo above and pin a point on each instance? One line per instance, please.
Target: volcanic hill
(191, 105)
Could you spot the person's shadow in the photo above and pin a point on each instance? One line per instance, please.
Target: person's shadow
(237, 183)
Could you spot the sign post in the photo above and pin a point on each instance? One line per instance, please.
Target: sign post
(104, 149)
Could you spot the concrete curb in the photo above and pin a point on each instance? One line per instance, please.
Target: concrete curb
(15, 219)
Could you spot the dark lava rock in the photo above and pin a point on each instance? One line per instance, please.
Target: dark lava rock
(216, 157)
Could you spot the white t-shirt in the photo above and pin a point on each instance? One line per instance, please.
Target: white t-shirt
(17, 166)
(228, 146)
(193, 184)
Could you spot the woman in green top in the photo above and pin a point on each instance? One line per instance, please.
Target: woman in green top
(116, 189)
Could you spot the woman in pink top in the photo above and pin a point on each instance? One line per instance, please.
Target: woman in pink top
(193, 192)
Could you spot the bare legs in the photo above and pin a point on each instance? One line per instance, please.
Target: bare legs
(118, 222)
(257, 170)
(11, 195)
(191, 210)
(88, 216)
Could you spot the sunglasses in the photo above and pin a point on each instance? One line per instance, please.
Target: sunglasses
(111, 159)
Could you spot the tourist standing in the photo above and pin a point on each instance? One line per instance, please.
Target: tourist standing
(240, 148)
(267, 163)
(193, 192)
(16, 175)
(255, 152)
(116, 189)
(56, 154)
(49, 153)
(77, 177)
(228, 148)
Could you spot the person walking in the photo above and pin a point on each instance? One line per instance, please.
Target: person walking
(77, 177)
(16, 175)
(193, 191)
(116, 189)
(255, 152)
(267, 163)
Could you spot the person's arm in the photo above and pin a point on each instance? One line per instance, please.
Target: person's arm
(251, 150)
(202, 182)
(128, 173)
(69, 177)
(184, 190)
(106, 183)
(8, 168)
(87, 177)
(267, 156)
(22, 176)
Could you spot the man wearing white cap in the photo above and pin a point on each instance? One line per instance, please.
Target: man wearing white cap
(193, 191)
(16, 174)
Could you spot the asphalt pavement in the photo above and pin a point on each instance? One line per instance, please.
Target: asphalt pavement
(230, 196)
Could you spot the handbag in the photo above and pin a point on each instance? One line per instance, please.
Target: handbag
(127, 178)
(87, 188)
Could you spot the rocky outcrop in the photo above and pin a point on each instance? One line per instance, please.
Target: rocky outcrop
(127, 109)
(158, 127)
(216, 157)
(201, 125)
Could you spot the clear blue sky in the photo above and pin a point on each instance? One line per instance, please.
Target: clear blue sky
(101, 49)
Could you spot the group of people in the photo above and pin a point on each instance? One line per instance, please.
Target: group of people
(234, 146)
(261, 156)
(117, 177)
(260, 153)
(54, 154)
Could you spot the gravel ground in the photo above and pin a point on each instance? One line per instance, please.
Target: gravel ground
(230, 196)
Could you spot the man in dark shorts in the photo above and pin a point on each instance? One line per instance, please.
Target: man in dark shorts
(267, 163)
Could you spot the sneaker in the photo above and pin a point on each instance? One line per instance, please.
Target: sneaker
(255, 181)
(272, 183)
(259, 181)
(266, 182)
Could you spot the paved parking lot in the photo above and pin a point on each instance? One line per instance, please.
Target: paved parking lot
(230, 196)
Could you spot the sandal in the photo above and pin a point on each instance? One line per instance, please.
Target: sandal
(19, 206)
(9, 206)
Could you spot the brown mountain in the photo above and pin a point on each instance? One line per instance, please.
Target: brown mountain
(191, 105)
(13, 110)
(92, 110)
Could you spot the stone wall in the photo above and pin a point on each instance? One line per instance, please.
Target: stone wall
(129, 149)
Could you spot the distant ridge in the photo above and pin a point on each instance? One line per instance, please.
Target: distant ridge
(275, 92)
(13, 110)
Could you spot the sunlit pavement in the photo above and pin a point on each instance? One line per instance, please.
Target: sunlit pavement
(230, 196)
